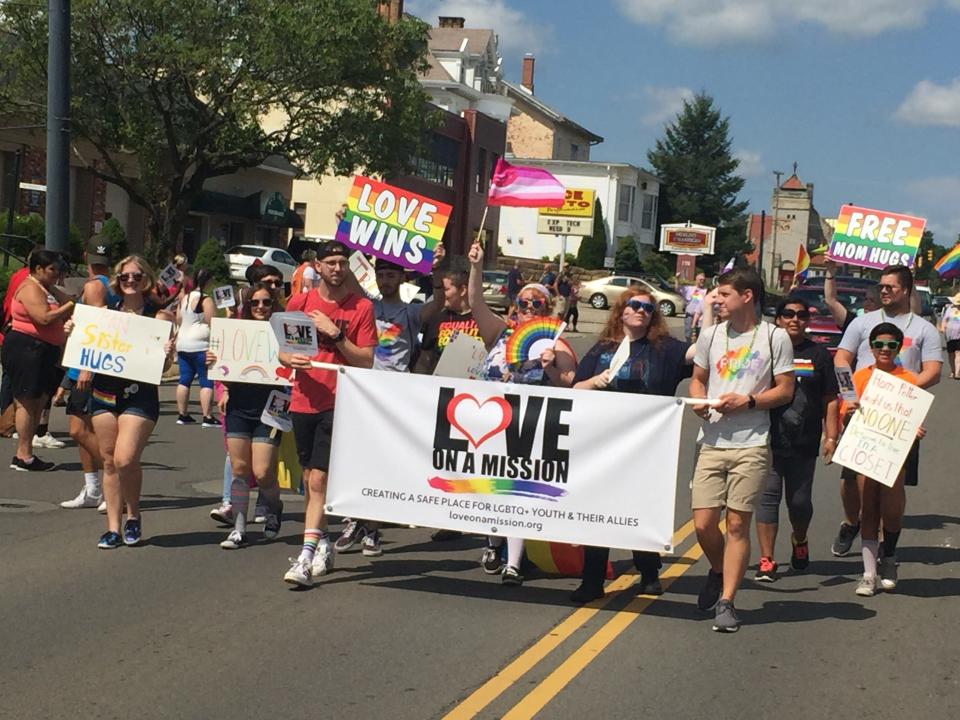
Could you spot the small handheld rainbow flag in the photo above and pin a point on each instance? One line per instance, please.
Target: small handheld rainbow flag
(803, 263)
(948, 266)
(524, 186)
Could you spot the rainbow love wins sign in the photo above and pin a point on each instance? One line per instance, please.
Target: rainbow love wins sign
(247, 352)
(506, 459)
(393, 224)
(875, 238)
(117, 344)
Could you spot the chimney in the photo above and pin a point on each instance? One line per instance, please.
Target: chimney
(527, 76)
(451, 22)
(390, 10)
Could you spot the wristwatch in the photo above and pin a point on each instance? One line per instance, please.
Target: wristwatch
(751, 402)
(338, 337)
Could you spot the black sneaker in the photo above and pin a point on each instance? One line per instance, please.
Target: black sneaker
(186, 420)
(650, 585)
(511, 576)
(800, 555)
(109, 541)
(272, 522)
(132, 534)
(844, 540)
(586, 593)
(766, 571)
(710, 592)
(210, 422)
(35, 465)
(490, 561)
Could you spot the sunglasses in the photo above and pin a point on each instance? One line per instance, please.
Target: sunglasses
(130, 277)
(798, 314)
(885, 345)
(534, 304)
(266, 302)
(638, 305)
(888, 288)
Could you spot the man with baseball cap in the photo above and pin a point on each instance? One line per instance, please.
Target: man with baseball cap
(347, 335)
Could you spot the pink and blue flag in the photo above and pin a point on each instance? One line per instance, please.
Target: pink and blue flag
(523, 186)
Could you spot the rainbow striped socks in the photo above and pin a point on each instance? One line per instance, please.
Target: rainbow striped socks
(311, 539)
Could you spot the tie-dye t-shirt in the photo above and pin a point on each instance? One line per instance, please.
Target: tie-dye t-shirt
(741, 363)
(398, 325)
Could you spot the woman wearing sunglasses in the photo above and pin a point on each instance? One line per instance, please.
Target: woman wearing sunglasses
(655, 366)
(795, 431)
(251, 444)
(124, 412)
(555, 367)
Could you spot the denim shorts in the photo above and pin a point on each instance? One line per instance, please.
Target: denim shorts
(129, 398)
(247, 427)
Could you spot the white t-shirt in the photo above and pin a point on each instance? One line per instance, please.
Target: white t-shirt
(921, 340)
(742, 363)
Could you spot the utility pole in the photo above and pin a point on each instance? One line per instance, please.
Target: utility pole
(763, 222)
(58, 126)
(774, 265)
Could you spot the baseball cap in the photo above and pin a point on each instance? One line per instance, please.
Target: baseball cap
(98, 250)
(330, 248)
(384, 264)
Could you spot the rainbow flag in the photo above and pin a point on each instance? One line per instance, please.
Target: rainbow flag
(948, 266)
(803, 263)
(522, 186)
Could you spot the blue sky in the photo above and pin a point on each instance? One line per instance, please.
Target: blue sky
(863, 94)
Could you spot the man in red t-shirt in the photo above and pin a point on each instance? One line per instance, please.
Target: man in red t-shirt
(347, 335)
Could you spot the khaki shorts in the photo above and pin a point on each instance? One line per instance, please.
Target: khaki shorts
(729, 477)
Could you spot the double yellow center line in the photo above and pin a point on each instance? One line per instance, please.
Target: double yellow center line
(537, 698)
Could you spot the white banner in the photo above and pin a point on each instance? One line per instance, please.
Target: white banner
(881, 432)
(581, 467)
(246, 351)
(117, 344)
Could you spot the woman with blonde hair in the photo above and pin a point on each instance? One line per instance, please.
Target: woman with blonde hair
(655, 365)
(125, 412)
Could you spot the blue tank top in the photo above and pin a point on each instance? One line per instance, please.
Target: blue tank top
(112, 300)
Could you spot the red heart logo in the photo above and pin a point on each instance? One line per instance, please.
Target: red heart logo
(506, 415)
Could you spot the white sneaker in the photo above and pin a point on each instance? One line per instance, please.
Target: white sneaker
(83, 500)
(48, 441)
(299, 573)
(102, 508)
(235, 540)
(323, 560)
(867, 587)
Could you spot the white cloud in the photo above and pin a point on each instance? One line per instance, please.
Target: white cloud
(751, 163)
(663, 103)
(517, 32)
(932, 104)
(716, 22)
(938, 200)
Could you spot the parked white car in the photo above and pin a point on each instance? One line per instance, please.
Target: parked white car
(240, 257)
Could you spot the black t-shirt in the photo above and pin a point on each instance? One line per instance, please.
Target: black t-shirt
(795, 428)
(248, 399)
(438, 332)
(514, 279)
(652, 368)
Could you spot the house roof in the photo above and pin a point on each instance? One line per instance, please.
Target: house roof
(452, 39)
(793, 183)
(523, 95)
(436, 71)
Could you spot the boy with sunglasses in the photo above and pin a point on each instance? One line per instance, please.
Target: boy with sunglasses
(795, 431)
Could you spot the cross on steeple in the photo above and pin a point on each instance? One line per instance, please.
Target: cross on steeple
(794, 167)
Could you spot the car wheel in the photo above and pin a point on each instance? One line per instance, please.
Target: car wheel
(667, 308)
(598, 301)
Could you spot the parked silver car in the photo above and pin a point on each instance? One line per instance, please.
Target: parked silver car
(603, 292)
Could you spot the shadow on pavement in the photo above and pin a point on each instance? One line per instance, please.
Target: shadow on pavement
(780, 611)
(928, 555)
(463, 587)
(928, 587)
(929, 522)
(187, 539)
(164, 502)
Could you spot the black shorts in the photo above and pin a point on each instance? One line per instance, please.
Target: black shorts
(78, 402)
(312, 433)
(128, 398)
(953, 345)
(246, 426)
(33, 366)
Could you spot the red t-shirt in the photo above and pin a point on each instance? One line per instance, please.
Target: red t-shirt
(314, 390)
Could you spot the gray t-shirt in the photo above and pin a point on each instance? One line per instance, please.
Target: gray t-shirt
(398, 325)
(742, 363)
(921, 340)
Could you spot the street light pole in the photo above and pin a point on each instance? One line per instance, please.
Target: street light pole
(58, 126)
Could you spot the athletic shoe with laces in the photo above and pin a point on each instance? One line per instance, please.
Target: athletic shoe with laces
(235, 540)
(800, 555)
(844, 540)
(48, 441)
(210, 422)
(766, 571)
(110, 540)
(490, 561)
(354, 532)
(186, 420)
(102, 508)
(726, 619)
(322, 561)
(132, 533)
(223, 514)
(511, 576)
(272, 522)
(710, 592)
(300, 573)
(867, 587)
(888, 572)
(83, 500)
(372, 547)
(35, 465)
(586, 593)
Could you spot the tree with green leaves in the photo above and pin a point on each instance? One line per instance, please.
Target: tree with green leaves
(171, 93)
(593, 248)
(627, 257)
(210, 256)
(700, 183)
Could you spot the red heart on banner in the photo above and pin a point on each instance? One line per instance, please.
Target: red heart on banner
(477, 420)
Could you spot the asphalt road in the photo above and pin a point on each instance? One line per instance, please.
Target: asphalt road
(179, 628)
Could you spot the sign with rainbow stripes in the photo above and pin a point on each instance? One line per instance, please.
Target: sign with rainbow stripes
(247, 351)
(875, 238)
(394, 224)
(506, 459)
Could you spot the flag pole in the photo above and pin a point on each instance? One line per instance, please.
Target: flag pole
(483, 219)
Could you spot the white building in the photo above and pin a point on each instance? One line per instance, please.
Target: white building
(628, 198)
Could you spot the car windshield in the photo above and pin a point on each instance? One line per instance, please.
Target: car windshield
(247, 250)
(494, 276)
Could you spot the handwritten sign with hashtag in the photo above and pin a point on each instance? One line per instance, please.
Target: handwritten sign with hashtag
(246, 352)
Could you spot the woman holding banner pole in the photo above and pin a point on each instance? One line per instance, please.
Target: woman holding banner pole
(557, 367)
(124, 412)
(251, 443)
(635, 354)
